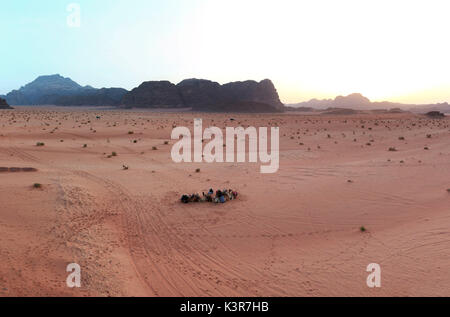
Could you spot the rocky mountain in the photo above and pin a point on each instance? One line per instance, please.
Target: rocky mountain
(61, 91)
(4, 104)
(359, 102)
(206, 95)
(199, 93)
(154, 94)
(95, 97)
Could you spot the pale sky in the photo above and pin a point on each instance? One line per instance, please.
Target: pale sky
(387, 50)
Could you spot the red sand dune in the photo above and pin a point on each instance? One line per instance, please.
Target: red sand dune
(293, 233)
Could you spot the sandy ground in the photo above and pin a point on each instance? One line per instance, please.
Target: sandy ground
(293, 233)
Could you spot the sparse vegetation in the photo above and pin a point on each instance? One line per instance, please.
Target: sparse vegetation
(154, 148)
(362, 229)
(37, 185)
(392, 149)
(40, 144)
(113, 154)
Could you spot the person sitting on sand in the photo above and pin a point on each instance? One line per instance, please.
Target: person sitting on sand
(230, 194)
(185, 199)
(195, 198)
(222, 196)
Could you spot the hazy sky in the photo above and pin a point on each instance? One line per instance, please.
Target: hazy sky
(396, 50)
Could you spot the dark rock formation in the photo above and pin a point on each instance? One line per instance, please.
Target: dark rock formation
(96, 97)
(199, 93)
(435, 114)
(263, 92)
(206, 95)
(154, 94)
(4, 104)
(60, 91)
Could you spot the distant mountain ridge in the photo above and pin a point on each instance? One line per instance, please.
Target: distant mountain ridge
(357, 101)
(61, 91)
(198, 94)
(206, 95)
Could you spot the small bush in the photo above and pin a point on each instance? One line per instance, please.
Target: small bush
(154, 148)
(130, 132)
(84, 145)
(197, 170)
(37, 185)
(40, 144)
(392, 149)
(362, 229)
(113, 154)
(166, 142)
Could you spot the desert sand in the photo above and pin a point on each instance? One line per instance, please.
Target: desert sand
(292, 233)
